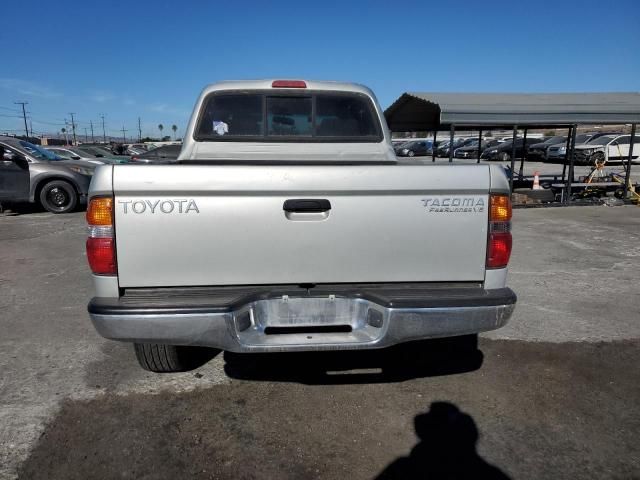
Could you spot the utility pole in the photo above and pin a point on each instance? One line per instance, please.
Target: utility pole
(91, 123)
(31, 127)
(139, 131)
(66, 132)
(124, 138)
(85, 135)
(24, 115)
(104, 136)
(73, 128)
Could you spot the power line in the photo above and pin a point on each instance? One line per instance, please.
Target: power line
(10, 109)
(24, 115)
(49, 123)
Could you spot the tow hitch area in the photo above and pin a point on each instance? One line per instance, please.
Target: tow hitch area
(325, 320)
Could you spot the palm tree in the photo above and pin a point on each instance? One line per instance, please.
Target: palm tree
(160, 127)
(64, 132)
(175, 129)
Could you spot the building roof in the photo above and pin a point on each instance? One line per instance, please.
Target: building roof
(424, 111)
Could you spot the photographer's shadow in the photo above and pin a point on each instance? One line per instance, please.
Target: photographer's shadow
(447, 449)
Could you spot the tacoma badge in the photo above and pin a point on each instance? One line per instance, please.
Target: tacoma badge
(454, 204)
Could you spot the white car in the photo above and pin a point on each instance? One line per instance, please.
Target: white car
(607, 149)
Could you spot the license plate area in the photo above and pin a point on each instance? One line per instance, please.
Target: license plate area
(308, 329)
(288, 321)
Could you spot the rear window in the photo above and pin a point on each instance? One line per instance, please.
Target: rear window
(289, 116)
(274, 116)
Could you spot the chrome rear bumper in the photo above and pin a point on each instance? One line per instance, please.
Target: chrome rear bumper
(286, 323)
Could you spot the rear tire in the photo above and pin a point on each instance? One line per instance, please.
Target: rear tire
(159, 358)
(58, 196)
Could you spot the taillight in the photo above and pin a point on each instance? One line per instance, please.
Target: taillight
(289, 84)
(101, 247)
(499, 239)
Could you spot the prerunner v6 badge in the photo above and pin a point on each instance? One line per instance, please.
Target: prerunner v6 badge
(443, 204)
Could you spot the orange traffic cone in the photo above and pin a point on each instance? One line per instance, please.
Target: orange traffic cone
(536, 181)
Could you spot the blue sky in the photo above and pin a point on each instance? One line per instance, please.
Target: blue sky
(150, 59)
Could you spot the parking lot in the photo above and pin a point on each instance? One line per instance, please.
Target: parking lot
(554, 394)
(550, 169)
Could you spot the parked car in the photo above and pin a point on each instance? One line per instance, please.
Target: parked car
(443, 150)
(418, 148)
(69, 153)
(470, 142)
(607, 149)
(398, 143)
(29, 173)
(85, 153)
(471, 151)
(142, 147)
(557, 153)
(164, 154)
(538, 151)
(102, 152)
(504, 150)
(135, 151)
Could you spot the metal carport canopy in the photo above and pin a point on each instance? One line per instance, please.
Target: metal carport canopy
(423, 111)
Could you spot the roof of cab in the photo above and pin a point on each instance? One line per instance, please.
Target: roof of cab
(266, 85)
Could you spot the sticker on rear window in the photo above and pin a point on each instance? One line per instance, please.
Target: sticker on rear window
(220, 127)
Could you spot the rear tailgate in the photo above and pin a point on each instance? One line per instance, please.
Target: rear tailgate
(184, 225)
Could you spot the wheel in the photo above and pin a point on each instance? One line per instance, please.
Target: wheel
(504, 157)
(410, 153)
(160, 358)
(58, 196)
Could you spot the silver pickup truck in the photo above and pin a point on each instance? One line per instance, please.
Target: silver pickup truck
(289, 224)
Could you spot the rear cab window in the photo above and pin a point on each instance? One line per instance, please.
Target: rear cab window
(312, 116)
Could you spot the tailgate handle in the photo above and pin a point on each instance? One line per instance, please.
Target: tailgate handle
(306, 205)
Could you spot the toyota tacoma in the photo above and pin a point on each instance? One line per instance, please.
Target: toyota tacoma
(287, 224)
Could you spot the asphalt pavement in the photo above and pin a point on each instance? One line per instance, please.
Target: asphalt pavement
(554, 394)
